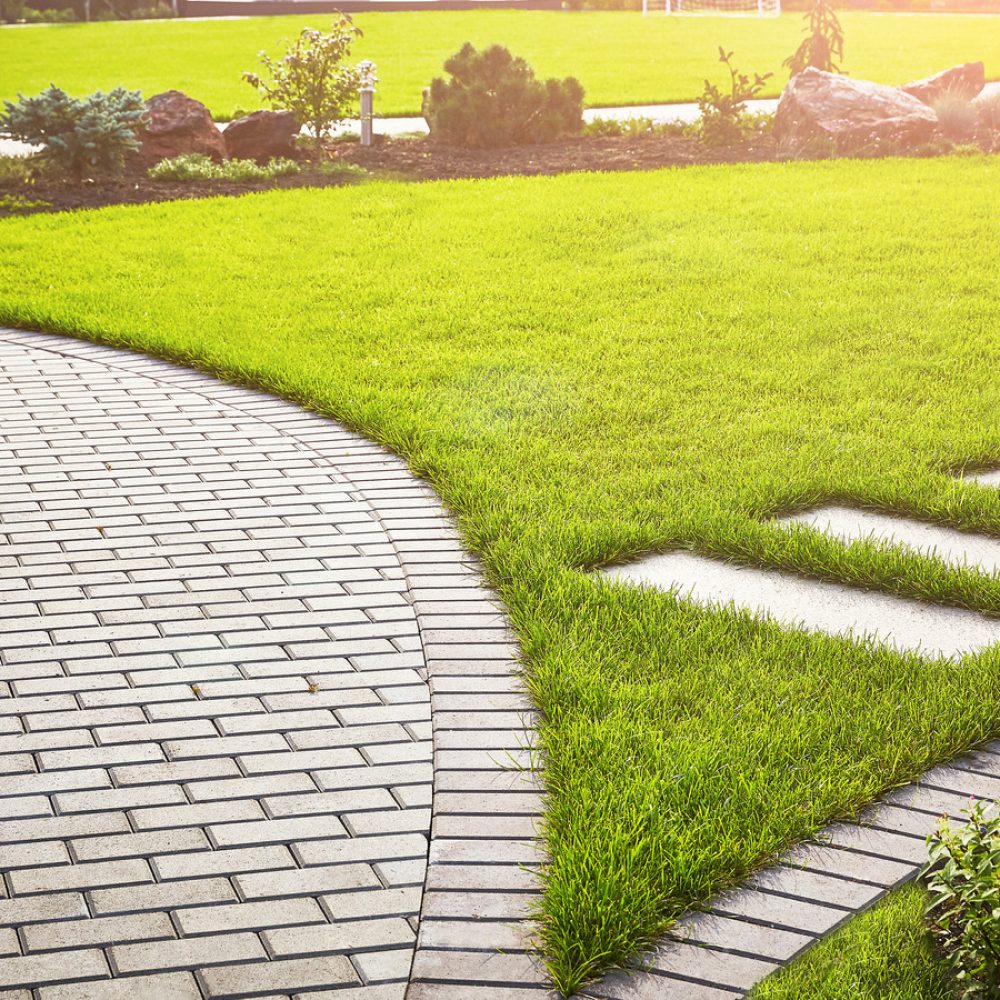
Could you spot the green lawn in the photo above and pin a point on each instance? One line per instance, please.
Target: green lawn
(884, 954)
(619, 57)
(588, 367)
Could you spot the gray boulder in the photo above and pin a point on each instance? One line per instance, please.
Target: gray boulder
(849, 114)
(965, 81)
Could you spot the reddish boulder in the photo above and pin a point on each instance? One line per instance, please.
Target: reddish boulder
(261, 136)
(849, 114)
(177, 124)
(965, 81)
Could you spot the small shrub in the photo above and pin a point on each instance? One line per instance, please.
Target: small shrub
(823, 46)
(340, 168)
(77, 136)
(602, 128)
(957, 118)
(724, 117)
(963, 877)
(52, 15)
(311, 81)
(494, 99)
(15, 170)
(966, 149)
(197, 167)
(19, 203)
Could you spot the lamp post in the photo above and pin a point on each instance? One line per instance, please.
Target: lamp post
(367, 80)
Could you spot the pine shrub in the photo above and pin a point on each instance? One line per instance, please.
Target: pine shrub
(494, 99)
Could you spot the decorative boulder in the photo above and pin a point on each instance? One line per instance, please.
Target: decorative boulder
(261, 136)
(177, 124)
(849, 114)
(987, 105)
(966, 81)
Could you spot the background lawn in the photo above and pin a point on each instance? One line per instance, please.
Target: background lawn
(884, 954)
(620, 57)
(588, 367)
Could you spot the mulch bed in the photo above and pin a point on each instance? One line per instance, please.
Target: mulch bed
(426, 160)
(136, 188)
(414, 159)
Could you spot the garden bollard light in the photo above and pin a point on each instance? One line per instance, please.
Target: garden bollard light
(368, 79)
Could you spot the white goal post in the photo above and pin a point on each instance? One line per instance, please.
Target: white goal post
(715, 8)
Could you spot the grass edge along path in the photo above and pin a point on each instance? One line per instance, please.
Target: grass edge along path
(587, 367)
(882, 954)
(620, 57)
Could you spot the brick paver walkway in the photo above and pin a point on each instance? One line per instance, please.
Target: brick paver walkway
(219, 616)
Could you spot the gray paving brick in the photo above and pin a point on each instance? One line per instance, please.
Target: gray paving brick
(40, 970)
(293, 974)
(260, 916)
(133, 845)
(162, 896)
(98, 931)
(188, 953)
(166, 986)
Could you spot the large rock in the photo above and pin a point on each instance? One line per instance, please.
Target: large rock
(178, 124)
(987, 105)
(965, 81)
(261, 136)
(849, 114)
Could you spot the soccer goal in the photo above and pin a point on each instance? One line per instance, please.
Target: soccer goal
(714, 8)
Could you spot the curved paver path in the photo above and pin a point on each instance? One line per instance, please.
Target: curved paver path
(224, 620)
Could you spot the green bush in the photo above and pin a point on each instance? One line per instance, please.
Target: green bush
(599, 128)
(50, 15)
(963, 877)
(724, 117)
(77, 136)
(11, 203)
(494, 99)
(310, 80)
(197, 167)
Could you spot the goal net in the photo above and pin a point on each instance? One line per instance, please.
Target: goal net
(716, 8)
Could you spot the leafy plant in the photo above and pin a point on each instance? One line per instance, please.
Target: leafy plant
(310, 79)
(494, 99)
(48, 15)
(963, 876)
(823, 46)
(724, 117)
(198, 167)
(599, 128)
(19, 203)
(77, 135)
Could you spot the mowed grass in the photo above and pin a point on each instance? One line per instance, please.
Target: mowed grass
(589, 367)
(619, 56)
(884, 954)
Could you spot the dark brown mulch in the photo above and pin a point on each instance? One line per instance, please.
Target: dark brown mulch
(137, 188)
(425, 159)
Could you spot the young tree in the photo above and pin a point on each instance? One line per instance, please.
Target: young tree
(310, 79)
(823, 45)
